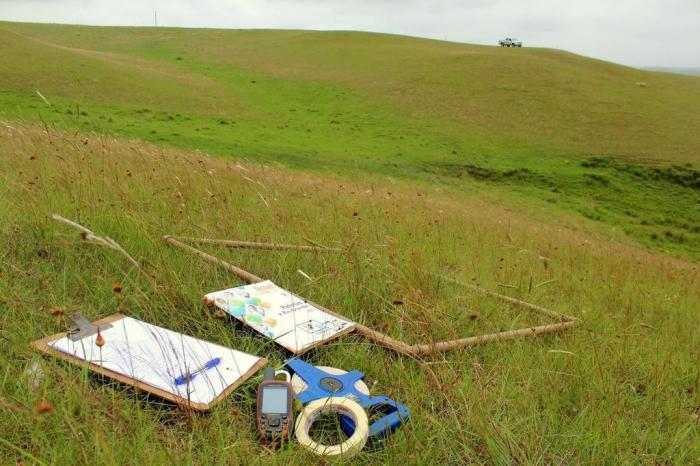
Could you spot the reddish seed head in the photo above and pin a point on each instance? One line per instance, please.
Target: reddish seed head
(44, 407)
(398, 302)
(208, 302)
(83, 235)
(56, 311)
(100, 340)
(219, 314)
(117, 287)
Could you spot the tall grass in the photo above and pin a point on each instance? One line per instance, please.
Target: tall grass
(622, 387)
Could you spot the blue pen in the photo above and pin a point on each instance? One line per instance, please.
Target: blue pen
(185, 378)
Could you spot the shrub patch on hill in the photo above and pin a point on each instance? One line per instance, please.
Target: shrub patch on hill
(658, 205)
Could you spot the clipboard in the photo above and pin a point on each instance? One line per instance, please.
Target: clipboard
(182, 347)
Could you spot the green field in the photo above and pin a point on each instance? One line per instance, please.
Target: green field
(566, 132)
(565, 181)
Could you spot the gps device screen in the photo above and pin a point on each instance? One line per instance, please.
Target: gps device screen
(275, 399)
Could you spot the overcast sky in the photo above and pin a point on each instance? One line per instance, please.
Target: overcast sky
(632, 32)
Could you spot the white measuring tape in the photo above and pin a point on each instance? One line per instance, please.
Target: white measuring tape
(342, 406)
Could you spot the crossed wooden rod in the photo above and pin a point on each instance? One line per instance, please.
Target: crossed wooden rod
(563, 321)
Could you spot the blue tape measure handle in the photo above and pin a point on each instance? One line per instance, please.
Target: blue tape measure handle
(396, 414)
(321, 384)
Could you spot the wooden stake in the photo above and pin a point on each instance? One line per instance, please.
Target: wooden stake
(255, 245)
(240, 273)
(499, 336)
(513, 301)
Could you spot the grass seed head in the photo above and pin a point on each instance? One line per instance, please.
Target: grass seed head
(100, 340)
(43, 407)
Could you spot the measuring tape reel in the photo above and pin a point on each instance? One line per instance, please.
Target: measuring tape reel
(347, 408)
(315, 383)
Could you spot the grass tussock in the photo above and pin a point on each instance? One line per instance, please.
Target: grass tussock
(622, 387)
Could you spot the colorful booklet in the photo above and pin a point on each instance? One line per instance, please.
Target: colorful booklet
(280, 315)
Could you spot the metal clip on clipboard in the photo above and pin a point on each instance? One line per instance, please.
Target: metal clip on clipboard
(82, 327)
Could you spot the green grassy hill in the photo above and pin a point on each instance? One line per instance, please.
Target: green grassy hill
(535, 99)
(614, 144)
(533, 172)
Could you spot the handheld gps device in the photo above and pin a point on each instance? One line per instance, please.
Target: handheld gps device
(275, 411)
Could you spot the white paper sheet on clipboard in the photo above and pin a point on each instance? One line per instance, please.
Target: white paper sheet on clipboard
(280, 315)
(161, 358)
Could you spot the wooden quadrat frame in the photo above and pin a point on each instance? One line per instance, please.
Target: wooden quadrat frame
(561, 321)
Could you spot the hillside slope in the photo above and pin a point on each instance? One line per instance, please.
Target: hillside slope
(568, 133)
(622, 387)
(538, 97)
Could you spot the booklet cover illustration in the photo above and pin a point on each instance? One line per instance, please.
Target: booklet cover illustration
(280, 315)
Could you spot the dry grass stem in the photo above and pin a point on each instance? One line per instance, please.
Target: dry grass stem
(105, 241)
